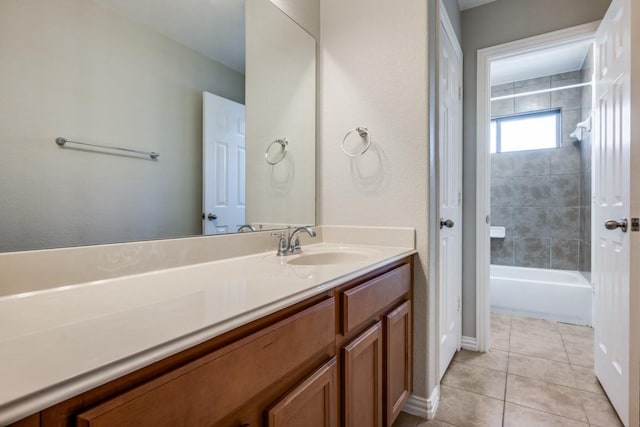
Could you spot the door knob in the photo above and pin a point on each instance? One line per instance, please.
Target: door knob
(211, 216)
(448, 223)
(613, 224)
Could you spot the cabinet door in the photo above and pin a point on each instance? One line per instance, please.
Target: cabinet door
(398, 354)
(313, 403)
(363, 379)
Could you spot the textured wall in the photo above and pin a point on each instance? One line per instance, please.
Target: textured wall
(536, 194)
(374, 68)
(488, 25)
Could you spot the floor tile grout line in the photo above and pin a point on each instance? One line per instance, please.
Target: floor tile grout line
(476, 365)
(539, 358)
(548, 413)
(543, 358)
(550, 383)
(506, 377)
(473, 392)
(563, 337)
(584, 409)
(571, 366)
(509, 373)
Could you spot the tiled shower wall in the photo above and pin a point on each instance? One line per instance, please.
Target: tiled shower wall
(536, 195)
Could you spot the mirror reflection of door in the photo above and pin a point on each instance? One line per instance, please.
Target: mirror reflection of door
(223, 147)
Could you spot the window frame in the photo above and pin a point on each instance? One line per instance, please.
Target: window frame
(557, 112)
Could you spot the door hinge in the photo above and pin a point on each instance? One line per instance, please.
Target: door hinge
(460, 93)
(635, 224)
(459, 303)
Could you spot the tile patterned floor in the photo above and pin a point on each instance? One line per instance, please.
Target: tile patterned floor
(539, 373)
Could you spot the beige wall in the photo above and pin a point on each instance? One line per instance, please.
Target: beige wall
(280, 103)
(374, 74)
(496, 23)
(71, 68)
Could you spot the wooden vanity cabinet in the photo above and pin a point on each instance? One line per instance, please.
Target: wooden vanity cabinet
(219, 388)
(375, 347)
(339, 358)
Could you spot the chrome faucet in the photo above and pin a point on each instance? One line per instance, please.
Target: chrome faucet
(246, 227)
(290, 244)
(294, 240)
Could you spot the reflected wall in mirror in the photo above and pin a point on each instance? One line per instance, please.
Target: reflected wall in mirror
(135, 74)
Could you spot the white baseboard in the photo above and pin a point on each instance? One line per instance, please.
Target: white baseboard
(470, 343)
(421, 407)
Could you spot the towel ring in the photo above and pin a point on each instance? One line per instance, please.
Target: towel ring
(284, 144)
(364, 133)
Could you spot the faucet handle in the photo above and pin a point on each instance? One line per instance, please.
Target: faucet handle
(295, 245)
(282, 243)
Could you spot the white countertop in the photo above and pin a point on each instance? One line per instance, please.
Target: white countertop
(60, 342)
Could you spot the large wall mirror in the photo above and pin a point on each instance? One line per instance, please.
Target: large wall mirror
(223, 90)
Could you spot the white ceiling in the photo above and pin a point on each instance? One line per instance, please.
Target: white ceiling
(215, 28)
(468, 4)
(545, 62)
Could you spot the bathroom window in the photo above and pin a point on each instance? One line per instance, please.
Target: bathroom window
(527, 131)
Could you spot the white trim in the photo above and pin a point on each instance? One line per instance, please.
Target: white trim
(485, 56)
(469, 343)
(448, 27)
(421, 407)
(634, 296)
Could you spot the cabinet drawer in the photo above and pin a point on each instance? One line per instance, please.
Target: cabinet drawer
(363, 301)
(210, 388)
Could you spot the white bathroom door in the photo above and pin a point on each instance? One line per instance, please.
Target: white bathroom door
(449, 195)
(223, 147)
(612, 165)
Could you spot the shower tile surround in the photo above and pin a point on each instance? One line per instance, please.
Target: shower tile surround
(539, 196)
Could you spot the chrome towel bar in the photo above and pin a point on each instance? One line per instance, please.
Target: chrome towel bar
(152, 154)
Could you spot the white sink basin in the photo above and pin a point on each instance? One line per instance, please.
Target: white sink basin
(325, 258)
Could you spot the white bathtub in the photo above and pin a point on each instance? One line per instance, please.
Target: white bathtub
(563, 296)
